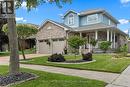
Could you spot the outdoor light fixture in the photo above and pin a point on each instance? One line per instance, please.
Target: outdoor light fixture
(6, 9)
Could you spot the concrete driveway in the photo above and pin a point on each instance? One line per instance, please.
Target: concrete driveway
(5, 60)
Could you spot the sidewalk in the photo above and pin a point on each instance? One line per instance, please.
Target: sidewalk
(102, 76)
(123, 80)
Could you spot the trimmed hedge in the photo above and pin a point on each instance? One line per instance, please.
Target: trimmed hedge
(56, 58)
(87, 57)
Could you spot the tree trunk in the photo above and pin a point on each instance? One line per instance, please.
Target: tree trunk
(13, 42)
(22, 49)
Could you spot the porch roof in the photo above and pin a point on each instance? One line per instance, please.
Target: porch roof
(92, 27)
(99, 26)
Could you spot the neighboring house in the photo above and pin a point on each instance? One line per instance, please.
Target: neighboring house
(91, 24)
(3, 38)
(28, 43)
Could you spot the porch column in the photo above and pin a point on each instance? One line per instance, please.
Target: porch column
(107, 35)
(111, 39)
(96, 35)
(96, 38)
(80, 48)
(114, 40)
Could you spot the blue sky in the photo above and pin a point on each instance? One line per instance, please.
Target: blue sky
(120, 9)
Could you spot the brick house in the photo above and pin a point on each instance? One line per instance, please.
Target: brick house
(91, 24)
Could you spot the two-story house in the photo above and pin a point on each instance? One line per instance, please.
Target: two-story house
(91, 24)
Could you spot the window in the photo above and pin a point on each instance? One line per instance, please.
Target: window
(91, 19)
(61, 39)
(71, 19)
(55, 39)
(49, 28)
(41, 41)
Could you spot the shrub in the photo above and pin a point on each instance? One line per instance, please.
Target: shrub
(75, 42)
(87, 57)
(56, 58)
(93, 42)
(123, 50)
(117, 55)
(105, 45)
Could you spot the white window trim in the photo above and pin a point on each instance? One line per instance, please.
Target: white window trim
(69, 19)
(88, 22)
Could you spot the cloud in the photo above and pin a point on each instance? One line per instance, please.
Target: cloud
(60, 15)
(125, 1)
(124, 21)
(20, 19)
(23, 5)
(126, 31)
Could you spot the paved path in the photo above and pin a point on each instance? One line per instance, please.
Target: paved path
(102, 76)
(123, 80)
(5, 59)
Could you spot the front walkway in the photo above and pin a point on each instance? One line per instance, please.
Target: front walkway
(123, 80)
(102, 76)
(5, 59)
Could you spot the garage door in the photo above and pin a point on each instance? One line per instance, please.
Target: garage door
(58, 46)
(44, 48)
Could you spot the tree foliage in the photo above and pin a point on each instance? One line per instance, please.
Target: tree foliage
(76, 41)
(123, 50)
(104, 45)
(23, 30)
(34, 3)
(93, 42)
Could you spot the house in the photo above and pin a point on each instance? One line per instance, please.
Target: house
(95, 24)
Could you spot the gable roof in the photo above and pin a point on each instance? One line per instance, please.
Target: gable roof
(103, 11)
(65, 27)
(69, 12)
(92, 11)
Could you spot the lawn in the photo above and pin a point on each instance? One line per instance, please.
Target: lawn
(27, 51)
(54, 80)
(4, 54)
(104, 62)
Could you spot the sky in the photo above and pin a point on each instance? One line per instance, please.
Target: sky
(120, 9)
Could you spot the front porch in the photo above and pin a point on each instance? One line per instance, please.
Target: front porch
(99, 35)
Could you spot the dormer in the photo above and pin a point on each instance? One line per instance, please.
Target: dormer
(71, 19)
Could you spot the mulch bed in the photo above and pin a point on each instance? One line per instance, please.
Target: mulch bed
(15, 78)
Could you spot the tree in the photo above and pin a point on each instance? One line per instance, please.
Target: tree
(104, 45)
(123, 50)
(75, 42)
(23, 31)
(14, 56)
(93, 42)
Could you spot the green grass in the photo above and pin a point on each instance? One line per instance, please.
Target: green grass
(4, 54)
(103, 62)
(54, 80)
(27, 51)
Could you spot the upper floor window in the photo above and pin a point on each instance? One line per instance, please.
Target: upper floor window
(92, 18)
(71, 19)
